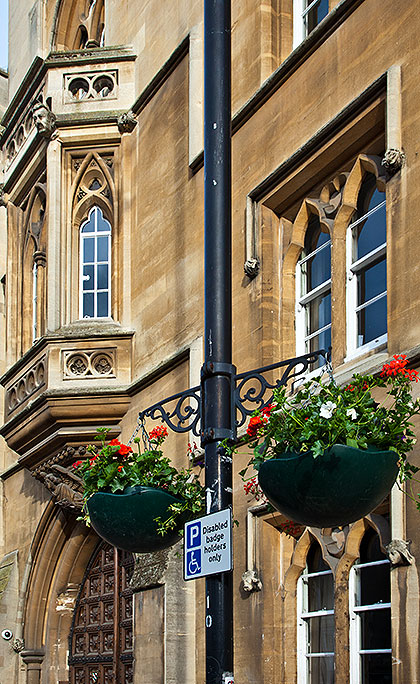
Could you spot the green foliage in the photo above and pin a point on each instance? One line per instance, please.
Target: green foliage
(114, 466)
(320, 414)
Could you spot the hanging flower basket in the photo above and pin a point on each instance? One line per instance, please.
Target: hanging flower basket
(128, 520)
(327, 455)
(341, 486)
(137, 501)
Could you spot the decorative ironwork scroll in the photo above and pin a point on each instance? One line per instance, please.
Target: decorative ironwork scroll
(253, 390)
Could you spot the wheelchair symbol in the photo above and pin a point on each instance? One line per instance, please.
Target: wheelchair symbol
(194, 564)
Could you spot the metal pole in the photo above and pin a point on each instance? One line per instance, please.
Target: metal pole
(217, 373)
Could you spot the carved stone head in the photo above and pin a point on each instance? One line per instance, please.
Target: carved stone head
(44, 120)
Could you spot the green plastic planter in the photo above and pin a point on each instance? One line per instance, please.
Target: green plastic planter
(337, 488)
(127, 520)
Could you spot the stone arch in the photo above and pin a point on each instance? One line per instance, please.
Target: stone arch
(78, 24)
(60, 551)
(34, 256)
(308, 208)
(93, 185)
(83, 197)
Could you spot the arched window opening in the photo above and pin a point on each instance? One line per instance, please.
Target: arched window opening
(313, 291)
(370, 615)
(315, 604)
(101, 636)
(95, 266)
(366, 269)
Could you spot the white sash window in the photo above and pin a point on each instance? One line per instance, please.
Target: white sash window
(306, 15)
(313, 291)
(315, 604)
(366, 271)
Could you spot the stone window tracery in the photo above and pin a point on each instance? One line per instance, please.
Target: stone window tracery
(80, 25)
(34, 267)
(93, 218)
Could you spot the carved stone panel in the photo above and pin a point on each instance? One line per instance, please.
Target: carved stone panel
(88, 363)
(27, 385)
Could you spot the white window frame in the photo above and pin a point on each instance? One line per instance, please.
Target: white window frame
(355, 622)
(303, 617)
(352, 308)
(302, 301)
(95, 290)
(34, 301)
(300, 12)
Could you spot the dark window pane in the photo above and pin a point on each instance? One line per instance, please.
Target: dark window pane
(371, 282)
(321, 670)
(95, 184)
(102, 277)
(88, 282)
(316, 14)
(102, 243)
(102, 304)
(375, 585)
(372, 321)
(321, 634)
(89, 250)
(319, 312)
(370, 548)
(88, 305)
(321, 341)
(320, 593)
(376, 629)
(372, 232)
(376, 668)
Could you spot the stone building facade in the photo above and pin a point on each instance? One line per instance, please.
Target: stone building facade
(102, 138)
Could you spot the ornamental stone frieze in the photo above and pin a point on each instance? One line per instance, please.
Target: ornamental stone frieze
(95, 85)
(26, 386)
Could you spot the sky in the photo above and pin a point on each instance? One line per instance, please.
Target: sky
(3, 33)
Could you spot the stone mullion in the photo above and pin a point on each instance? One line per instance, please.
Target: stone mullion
(55, 275)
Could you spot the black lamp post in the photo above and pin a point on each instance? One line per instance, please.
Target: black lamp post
(217, 410)
(224, 400)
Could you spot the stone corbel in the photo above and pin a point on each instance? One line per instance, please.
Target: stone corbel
(127, 122)
(252, 267)
(398, 552)
(44, 119)
(251, 581)
(393, 160)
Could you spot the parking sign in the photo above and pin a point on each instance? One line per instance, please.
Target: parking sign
(208, 545)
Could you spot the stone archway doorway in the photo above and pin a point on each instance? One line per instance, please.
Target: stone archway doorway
(101, 635)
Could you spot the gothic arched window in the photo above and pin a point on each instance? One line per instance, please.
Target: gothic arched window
(95, 266)
(313, 290)
(316, 625)
(366, 269)
(370, 615)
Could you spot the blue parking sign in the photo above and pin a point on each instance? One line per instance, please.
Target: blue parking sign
(193, 535)
(193, 562)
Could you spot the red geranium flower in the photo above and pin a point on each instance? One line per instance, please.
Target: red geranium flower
(125, 450)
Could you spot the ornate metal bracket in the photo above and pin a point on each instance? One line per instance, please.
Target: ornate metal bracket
(252, 390)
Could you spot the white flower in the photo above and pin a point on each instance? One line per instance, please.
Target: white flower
(327, 409)
(352, 413)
